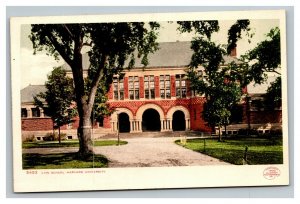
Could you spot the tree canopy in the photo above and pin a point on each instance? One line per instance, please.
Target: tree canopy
(112, 48)
(59, 96)
(222, 84)
(265, 57)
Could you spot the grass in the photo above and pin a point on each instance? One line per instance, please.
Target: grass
(68, 143)
(62, 161)
(232, 150)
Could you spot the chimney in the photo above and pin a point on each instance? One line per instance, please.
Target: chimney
(233, 52)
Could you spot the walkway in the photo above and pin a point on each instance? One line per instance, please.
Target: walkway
(145, 152)
(154, 152)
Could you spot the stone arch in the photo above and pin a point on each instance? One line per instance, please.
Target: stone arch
(114, 118)
(185, 112)
(141, 110)
(151, 120)
(172, 110)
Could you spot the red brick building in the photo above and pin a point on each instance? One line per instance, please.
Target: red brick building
(153, 98)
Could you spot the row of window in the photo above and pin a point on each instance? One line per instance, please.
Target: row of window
(149, 87)
(35, 112)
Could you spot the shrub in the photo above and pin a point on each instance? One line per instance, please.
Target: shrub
(244, 132)
(54, 137)
(49, 137)
(30, 138)
(276, 132)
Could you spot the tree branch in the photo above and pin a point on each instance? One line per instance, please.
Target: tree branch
(273, 70)
(68, 30)
(59, 48)
(277, 72)
(96, 80)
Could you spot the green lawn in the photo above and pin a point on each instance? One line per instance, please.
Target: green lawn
(62, 161)
(260, 150)
(68, 143)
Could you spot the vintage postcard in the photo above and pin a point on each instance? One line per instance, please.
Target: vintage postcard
(149, 101)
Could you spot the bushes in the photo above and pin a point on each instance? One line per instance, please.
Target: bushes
(30, 138)
(254, 132)
(54, 137)
(276, 132)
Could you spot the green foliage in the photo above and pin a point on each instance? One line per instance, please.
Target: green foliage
(223, 84)
(260, 150)
(273, 96)
(113, 47)
(235, 32)
(62, 161)
(68, 143)
(204, 28)
(54, 137)
(58, 97)
(29, 138)
(222, 87)
(265, 57)
(108, 143)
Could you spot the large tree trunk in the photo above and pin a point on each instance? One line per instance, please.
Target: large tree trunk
(220, 137)
(84, 133)
(59, 139)
(85, 101)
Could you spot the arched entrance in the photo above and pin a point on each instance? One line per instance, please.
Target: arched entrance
(124, 123)
(151, 120)
(178, 122)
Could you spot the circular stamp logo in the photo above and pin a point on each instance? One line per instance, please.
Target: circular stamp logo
(271, 173)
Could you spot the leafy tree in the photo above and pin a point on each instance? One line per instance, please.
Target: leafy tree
(112, 47)
(235, 33)
(223, 92)
(223, 85)
(58, 97)
(265, 57)
(273, 96)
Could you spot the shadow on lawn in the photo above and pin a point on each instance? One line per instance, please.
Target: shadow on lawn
(237, 156)
(240, 150)
(62, 161)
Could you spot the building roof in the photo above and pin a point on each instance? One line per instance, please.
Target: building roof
(30, 91)
(169, 54)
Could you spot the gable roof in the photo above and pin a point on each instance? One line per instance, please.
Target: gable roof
(30, 91)
(169, 54)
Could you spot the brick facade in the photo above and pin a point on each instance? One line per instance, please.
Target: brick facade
(126, 88)
(37, 124)
(171, 59)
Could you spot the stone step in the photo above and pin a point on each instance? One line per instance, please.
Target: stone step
(157, 134)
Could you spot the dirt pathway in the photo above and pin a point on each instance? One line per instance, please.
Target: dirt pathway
(145, 152)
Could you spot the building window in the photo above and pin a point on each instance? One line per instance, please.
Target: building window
(164, 84)
(24, 113)
(46, 112)
(134, 87)
(149, 87)
(118, 88)
(35, 112)
(180, 86)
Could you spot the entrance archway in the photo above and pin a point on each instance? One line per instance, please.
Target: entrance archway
(124, 123)
(151, 120)
(178, 122)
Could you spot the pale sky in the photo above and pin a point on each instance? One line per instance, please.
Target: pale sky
(36, 67)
